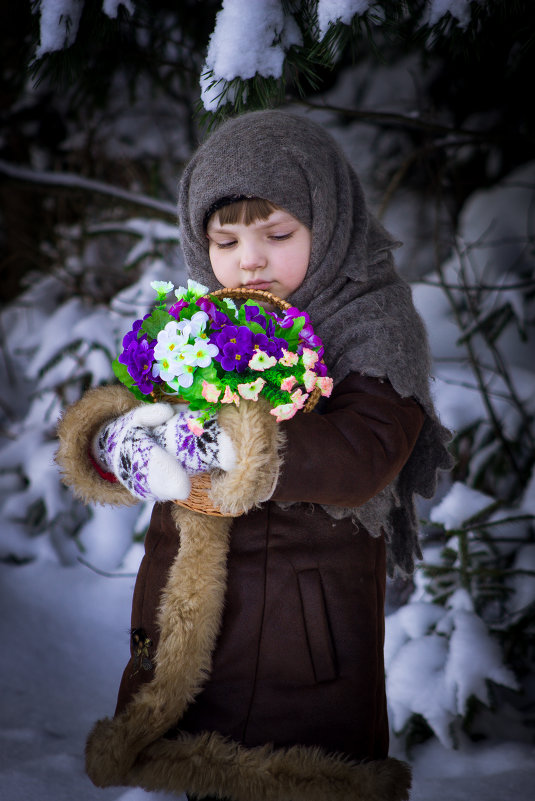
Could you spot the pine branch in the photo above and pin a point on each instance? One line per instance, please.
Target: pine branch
(388, 118)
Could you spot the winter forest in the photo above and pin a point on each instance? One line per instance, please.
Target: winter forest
(102, 103)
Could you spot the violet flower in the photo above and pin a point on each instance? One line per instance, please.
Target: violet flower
(218, 318)
(138, 356)
(308, 339)
(236, 346)
(290, 316)
(254, 315)
(272, 346)
(177, 307)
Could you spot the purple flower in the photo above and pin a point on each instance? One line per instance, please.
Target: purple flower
(290, 316)
(236, 346)
(138, 355)
(254, 315)
(217, 318)
(273, 346)
(270, 328)
(320, 368)
(308, 339)
(177, 307)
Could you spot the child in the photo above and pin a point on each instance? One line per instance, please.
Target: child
(257, 640)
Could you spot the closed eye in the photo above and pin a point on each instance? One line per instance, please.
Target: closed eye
(223, 245)
(281, 237)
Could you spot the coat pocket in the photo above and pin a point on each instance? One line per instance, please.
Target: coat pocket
(317, 628)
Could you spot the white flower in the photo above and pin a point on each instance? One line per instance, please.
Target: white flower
(169, 341)
(195, 326)
(166, 369)
(162, 287)
(261, 361)
(203, 352)
(194, 288)
(184, 378)
(230, 303)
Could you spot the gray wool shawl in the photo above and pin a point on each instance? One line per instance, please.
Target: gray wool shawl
(359, 305)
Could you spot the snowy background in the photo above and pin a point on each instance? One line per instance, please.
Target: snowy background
(459, 643)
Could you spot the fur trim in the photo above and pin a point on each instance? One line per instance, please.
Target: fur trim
(76, 430)
(208, 764)
(189, 620)
(258, 442)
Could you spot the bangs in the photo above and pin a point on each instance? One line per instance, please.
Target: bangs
(246, 211)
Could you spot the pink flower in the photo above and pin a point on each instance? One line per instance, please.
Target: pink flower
(230, 397)
(310, 357)
(289, 358)
(251, 391)
(326, 385)
(284, 411)
(289, 382)
(210, 392)
(195, 426)
(298, 398)
(309, 380)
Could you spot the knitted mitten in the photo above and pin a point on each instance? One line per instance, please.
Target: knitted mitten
(128, 448)
(198, 449)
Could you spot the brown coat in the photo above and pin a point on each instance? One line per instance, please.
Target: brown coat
(283, 610)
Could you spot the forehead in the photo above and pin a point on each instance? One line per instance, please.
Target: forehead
(277, 217)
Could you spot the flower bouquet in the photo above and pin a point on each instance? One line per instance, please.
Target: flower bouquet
(206, 351)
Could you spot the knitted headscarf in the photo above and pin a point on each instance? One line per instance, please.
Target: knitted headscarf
(360, 307)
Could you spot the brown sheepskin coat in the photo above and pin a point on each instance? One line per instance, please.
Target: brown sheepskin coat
(262, 678)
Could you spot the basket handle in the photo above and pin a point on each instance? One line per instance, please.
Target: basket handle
(249, 293)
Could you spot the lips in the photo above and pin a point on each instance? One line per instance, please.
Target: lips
(258, 285)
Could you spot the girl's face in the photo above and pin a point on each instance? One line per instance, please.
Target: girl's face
(270, 254)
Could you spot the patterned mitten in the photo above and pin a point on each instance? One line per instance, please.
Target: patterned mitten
(198, 450)
(128, 448)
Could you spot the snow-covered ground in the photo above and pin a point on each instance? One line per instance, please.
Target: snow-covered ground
(64, 634)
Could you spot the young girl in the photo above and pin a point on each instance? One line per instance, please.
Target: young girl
(256, 668)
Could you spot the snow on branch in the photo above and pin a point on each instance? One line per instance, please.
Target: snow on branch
(252, 40)
(59, 21)
(331, 12)
(248, 39)
(70, 181)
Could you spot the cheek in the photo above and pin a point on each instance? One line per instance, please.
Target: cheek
(221, 266)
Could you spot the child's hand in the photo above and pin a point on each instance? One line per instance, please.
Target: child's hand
(128, 448)
(201, 452)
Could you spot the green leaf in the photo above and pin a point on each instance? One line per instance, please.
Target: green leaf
(156, 322)
(121, 372)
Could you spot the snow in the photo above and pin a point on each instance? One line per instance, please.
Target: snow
(59, 20)
(111, 7)
(459, 10)
(78, 181)
(65, 646)
(460, 504)
(332, 11)
(230, 54)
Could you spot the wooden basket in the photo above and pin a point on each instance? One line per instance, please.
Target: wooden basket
(198, 500)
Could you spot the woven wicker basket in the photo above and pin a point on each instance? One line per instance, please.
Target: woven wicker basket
(198, 499)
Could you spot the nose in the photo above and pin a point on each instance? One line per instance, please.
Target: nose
(252, 257)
